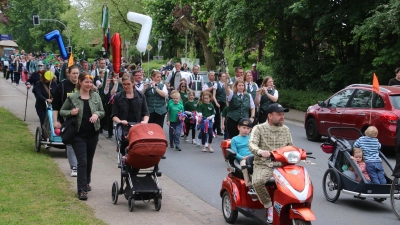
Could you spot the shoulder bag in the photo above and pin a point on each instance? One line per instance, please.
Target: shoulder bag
(69, 128)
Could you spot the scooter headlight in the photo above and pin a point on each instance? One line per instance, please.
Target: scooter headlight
(292, 157)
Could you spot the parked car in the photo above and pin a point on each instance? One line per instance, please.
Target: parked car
(351, 107)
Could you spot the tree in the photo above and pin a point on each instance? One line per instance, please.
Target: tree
(195, 16)
(28, 37)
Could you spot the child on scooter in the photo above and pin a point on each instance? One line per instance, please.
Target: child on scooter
(358, 157)
(240, 144)
(370, 147)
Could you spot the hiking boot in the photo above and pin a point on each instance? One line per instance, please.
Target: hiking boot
(83, 196)
(74, 172)
(88, 188)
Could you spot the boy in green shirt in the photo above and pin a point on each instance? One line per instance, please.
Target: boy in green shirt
(207, 111)
(174, 108)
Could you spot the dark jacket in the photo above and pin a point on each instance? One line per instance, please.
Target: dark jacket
(42, 94)
(121, 106)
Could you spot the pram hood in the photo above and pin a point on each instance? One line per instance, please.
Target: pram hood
(147, 144)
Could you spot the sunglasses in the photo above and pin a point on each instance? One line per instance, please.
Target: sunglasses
(89, 76)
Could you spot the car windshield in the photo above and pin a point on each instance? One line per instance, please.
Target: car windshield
(395, 100)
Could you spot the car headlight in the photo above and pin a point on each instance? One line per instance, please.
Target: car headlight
(292, 157)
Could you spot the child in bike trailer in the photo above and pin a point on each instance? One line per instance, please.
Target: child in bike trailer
(358, 158)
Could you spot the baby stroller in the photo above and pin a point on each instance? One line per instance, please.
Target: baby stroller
(338, 178)
(147, 144)
(46, 134)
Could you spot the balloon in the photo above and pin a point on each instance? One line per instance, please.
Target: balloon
(57, 131)
(116, 52)
(146, 22)
(55, 35)
(49, 75)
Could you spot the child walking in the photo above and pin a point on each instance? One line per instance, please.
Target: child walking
(223, 123)
(207, 111)
(174, 108)
(370, 147)
(190, 122)
(358, 157)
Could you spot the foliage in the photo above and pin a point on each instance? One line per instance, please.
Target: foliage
(300, 100)
(33, 190)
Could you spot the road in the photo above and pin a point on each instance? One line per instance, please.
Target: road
(202, 174)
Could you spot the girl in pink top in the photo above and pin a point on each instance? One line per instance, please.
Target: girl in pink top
(358, 157)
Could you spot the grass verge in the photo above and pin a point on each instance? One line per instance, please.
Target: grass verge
(33, 190)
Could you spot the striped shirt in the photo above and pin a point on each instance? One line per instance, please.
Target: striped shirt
(370, 147)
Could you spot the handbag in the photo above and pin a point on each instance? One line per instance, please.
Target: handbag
(69, 128)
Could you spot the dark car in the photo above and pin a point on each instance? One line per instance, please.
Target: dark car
(356, 106)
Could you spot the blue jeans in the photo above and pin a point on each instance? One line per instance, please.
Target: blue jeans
(175, 133)
(376, 172)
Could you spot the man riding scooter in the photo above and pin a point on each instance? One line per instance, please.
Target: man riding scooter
(265, 138)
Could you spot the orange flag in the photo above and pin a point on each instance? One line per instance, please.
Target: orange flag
(375, 84)
(70, 60)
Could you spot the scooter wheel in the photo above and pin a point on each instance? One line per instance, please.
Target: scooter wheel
(301, 222)
(157, 203)
(331, 185)
(229, 214)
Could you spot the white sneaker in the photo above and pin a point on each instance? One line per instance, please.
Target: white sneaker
(270, 218)
(74, 172)
(194, 142)
(186, 138)
(206, 144)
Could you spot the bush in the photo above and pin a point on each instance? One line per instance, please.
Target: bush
(300, 100)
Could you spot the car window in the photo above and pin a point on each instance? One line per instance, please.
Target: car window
(361, 99)
(395, 100)
(378, 101)
(340, 99)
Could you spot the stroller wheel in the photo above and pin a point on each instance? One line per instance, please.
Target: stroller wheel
(114, 192)
(157, 203)
(131, 203)
(38, 139)
(331, 185)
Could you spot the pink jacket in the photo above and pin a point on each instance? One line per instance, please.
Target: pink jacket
(363, 169)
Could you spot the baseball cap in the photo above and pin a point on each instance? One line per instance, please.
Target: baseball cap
(245, 122)
(276, 107)
(254, 64)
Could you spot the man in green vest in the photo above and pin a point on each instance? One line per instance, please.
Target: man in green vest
(238, 74)
(173, 80)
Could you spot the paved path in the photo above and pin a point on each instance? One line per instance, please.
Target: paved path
(179, 206)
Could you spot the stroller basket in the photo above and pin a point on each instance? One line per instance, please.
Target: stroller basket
(147, 144)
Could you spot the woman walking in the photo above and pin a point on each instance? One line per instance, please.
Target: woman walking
(156, 93)
(266, 95)
(240, 104)
(86, 105)
(44, 92)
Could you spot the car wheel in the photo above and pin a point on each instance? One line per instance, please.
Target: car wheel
(312, 130)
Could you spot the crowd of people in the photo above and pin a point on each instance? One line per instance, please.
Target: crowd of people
(99, 97)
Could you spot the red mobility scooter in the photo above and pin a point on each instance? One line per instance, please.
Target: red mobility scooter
(290, 188)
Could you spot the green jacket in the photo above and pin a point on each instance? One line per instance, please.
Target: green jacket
(95, 104)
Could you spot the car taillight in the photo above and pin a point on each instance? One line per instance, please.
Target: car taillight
(388, 118)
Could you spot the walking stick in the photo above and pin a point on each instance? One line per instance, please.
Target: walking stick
(26, 103)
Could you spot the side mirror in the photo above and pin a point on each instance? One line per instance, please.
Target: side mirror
(321, 103)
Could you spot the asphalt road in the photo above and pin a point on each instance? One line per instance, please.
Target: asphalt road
(202, 174)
